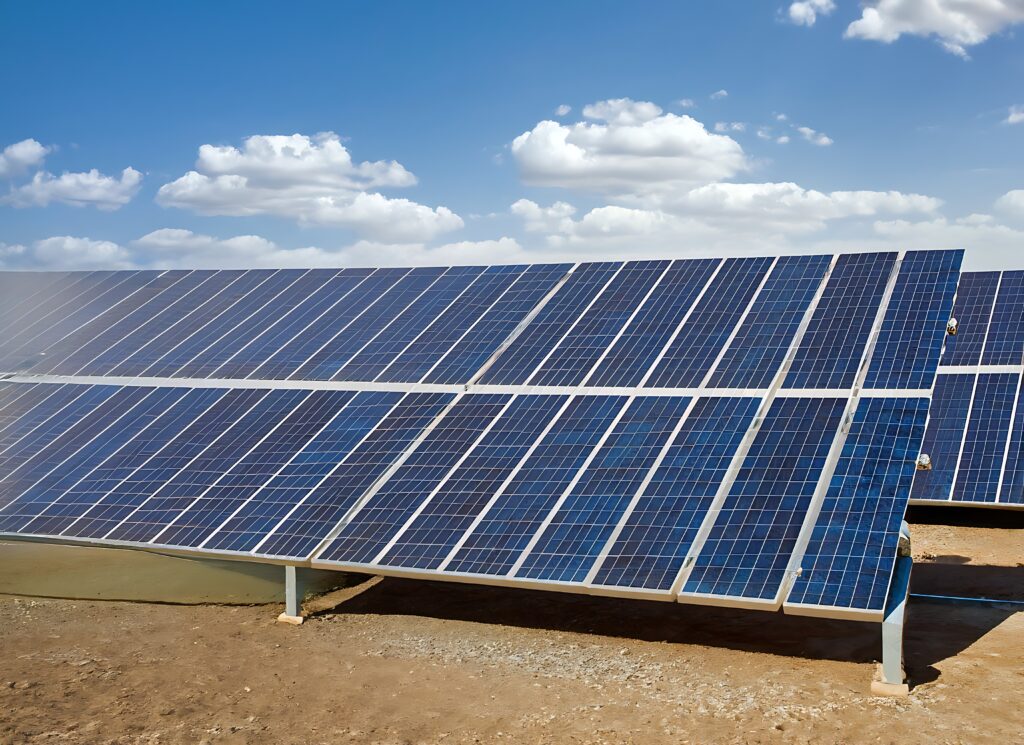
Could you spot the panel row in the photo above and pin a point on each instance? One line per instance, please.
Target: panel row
(729, 323)
(707, 498)
(990, 312)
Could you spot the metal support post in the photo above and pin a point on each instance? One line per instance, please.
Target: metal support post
(892, 678)
(293, 594)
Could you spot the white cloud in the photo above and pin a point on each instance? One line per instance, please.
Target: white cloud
(1012, 203)
(722, 93)
(22, 156)
(814, 137)
(781, 117)
(89, 189)
(536, 219)
(65, 252)
(957, 24)
(806, 13)
(783, 139)
(628, 147)
(1015, 116)
(563, 110)
(310, 180)
(687, 103)
(730, 126)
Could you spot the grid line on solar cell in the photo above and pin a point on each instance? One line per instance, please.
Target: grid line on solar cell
(254, 469)
(688, 358)
(275, 501)
(833, 346)
(657, 533)
(369, 527)
(432, 533)
(306, 526)
(944, 436)
(179, 493)
(1004, 344)
(848, 560)
(500, 535)
(561, 313)
(750, 543)
(988, 426)
(635, 353)
(765, 335)
(975, 300)
(137, 408)
(23, 298)
(906, 353)
(570, 360)
(588, 513)
(78, 285)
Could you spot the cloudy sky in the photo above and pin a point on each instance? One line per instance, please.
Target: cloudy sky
(366, 133)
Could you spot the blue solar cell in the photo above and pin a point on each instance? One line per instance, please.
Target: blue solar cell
(766, 334)
(1005, 342)
(383, 348)
(752, 539)
(947, 422)
(19, 401)
(148, 359)
(433, 534)
(848, 562)
(42, 449)
(494, 326)
(136, 407)
(910, 341)
(36, 407)
(518, 361)
(416, 360)
(495, 544)
(24, 293)
(254, 469)
(1012, 489)
(656, 537)
(129, 307)
(690, 356)
(377, 315)
(367, 533)
(832, 348)
(92, 486)
(581, 348)
(276, 499)
(583, 523)
(325, 506)
(176, 444)
(988, 428)
(975, 297)
(636, 350)
(179, 493)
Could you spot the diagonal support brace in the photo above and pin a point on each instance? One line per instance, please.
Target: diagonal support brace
(892, 680)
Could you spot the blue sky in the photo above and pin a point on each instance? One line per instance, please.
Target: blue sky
(692, 128)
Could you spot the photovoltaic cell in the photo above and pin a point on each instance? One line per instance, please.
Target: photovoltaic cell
(518, 362)
(433, 534)
(947, 422)
(848, 562)
(833, 346)
(1005, 342)
(632, 355)
(750, 544)
(765, 336)
(984, 449)
(910, 341)
(583, 523)
(496, 542)
(657, 536)
(1012, 489)
(367, 533)
(690, 357)
(975, 296)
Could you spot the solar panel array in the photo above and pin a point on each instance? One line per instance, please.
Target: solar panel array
(727, 431)
(975, 435)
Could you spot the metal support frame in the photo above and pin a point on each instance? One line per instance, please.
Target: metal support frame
(892, 678)
(294, 591)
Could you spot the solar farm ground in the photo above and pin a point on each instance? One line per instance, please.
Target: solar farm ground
(398, 661)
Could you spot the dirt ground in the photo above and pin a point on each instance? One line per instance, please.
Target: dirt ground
(396, 661)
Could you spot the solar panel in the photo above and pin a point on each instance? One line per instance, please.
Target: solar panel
(974, 435)
(731, 431)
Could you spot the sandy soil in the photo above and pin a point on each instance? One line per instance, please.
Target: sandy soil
(394, 661)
